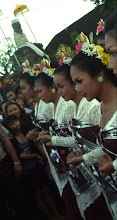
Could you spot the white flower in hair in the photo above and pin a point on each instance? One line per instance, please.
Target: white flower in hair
(67, 60)
(31, 72)
(65, 54)
(48, 72)
(91, 49)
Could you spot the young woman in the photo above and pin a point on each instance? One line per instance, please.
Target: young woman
(62, 112)
(12, 108)
(111, 41)
(94, 79)
(42, 108)
(27, 84)
(83, 111)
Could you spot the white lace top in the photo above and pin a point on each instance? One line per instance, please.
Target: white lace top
(87, 111)
(64, 113)
(90, 112)
(41, 109)
(94, 155)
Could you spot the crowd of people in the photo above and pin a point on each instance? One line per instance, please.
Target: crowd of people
(58, 134)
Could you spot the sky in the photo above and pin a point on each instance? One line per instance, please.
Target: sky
(46, 18)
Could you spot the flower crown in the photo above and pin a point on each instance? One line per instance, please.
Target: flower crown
(64, 54)
(91, 49)
(44, 66)
(100, 26)
(28, 69)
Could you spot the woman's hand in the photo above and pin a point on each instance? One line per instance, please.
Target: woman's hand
(17, 170)
(106, 165)
(32, 134)
(44, 138)
(74, 158)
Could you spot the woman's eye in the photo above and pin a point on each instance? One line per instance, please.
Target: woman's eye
(61, 87)
(113, 54)
(79, 81)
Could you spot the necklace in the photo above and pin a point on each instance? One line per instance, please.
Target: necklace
(22, 137)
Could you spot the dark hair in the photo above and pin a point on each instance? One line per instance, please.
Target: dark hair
(2, 78)
(17, 89)
(64, 70)
(101, 35)
(27, 78)
(22, 111)
(3, 102)
(25, 119)
(44, 79)
(111, 25)
(8, 119)
(10, 90)
(92, 66)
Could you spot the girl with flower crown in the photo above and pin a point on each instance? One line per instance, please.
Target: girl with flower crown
(83, 111)
(86, 111)
(105, 163)
(61, 112)
(27, 83)
(89, 70)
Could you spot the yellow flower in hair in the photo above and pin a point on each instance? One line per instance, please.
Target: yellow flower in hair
(53, 69)
(98, 50)
(37, 72)
(105, 59)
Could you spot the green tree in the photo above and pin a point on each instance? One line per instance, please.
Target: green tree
(108, 5)
(73, 36)
(7, 49)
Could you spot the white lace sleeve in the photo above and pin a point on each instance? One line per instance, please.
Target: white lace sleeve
(93, 156)
(63, 141)
(115, 164)
(69, 112)
(95, 114)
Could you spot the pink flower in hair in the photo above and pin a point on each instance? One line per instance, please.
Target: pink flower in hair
(25, 67)
(61, 61)
(100, 28)
(41, 68)
(78, 47)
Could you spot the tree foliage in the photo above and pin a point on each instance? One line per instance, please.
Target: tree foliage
(73, 36)
(108, 5)
(7, 49)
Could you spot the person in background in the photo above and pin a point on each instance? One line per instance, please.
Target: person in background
(30, 103)
(6, 86)
(12, 108)
(14, 83)
(8, 169)
(10, 95)
(33, 174)
(18, 93)
(2, 112)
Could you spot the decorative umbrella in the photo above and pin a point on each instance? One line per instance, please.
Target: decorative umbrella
(20, 10)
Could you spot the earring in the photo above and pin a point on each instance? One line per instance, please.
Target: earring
(100, 79)
(53, 90)
(76, 87)
(35, 89)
